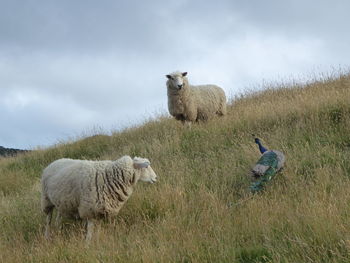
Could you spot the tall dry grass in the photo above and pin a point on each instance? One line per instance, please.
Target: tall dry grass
(201, 209)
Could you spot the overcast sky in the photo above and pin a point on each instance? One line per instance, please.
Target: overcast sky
(69, 68)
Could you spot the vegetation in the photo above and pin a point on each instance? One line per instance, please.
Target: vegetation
(9, 151)
(201, 209)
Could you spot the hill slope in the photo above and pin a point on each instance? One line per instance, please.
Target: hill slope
(9, 151)
(201, 209)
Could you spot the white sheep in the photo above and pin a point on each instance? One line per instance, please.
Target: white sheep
(193, 103)
(91, 189)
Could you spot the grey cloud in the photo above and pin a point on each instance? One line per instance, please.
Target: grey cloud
(321, 19)
(133, 27)
(81, 25)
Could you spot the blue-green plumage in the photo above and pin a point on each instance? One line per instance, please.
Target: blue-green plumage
(269, 164)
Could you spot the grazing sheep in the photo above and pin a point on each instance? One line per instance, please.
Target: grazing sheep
(193, 103)
(91, 189)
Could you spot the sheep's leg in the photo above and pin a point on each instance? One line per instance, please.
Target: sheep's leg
(48, 222)
(187, 124)
(58, 221)
(90, 230)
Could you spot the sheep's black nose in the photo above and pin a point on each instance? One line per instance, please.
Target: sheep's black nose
(180, 86)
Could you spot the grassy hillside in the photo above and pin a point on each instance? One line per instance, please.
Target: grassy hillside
(201, 209)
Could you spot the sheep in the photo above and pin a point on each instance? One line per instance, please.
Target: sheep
(90, 189)
(193, 103)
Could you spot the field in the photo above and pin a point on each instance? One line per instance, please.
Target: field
(201, 209)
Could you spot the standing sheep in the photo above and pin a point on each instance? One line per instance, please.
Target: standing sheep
(91, 189)
(193, 103)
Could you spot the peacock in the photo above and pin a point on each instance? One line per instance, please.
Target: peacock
(269, 164)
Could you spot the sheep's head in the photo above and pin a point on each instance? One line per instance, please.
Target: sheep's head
(176, 80)
(147, 173)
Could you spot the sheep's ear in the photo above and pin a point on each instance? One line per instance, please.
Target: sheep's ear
(168, 76)
(139, 164)
(184, 74)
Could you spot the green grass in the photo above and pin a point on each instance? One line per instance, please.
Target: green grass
(201, 209)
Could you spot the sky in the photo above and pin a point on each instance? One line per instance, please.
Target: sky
(74, 68)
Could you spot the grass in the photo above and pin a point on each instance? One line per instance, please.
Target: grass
(201, 209)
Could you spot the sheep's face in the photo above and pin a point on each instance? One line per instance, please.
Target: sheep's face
(176, 80)
(147, 173)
